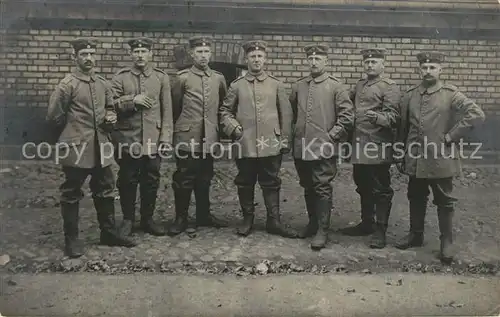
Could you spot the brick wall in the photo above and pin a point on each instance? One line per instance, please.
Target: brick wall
(34, 61)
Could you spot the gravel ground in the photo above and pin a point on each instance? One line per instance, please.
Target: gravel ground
(31, 237)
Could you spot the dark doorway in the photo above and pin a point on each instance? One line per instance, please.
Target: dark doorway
(230, 71)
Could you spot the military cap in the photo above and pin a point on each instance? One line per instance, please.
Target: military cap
(84, 42)
(373, 53)
(430, 57)
(316, 49)
(255, 45)
(140, 42)
(200, 41)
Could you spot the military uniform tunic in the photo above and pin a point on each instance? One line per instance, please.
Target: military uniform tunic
(260, 105)
(382, 96)
(322, 111)
(140, 131)
(433, 121)
(196, 97)
(428, 115)
(78, 106)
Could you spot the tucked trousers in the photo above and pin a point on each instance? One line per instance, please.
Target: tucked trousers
(316, 176)
(442, 188)
(193, 170)
(102, 183)
(264, 170)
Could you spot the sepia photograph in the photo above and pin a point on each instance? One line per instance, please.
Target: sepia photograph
(249, 158)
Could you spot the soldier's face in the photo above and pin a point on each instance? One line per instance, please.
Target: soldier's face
(141, 56)
(317, 63)
(373, 66)
(430, 72)
(85, 59)
(256, 60)
(201, 55)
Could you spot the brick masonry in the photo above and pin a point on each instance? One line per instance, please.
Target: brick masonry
(33, 61)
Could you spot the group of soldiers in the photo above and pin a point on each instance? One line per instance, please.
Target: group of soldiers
(140, 106)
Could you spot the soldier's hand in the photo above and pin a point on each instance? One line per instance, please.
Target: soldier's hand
(238, 132)
(110, 117)
(143, 101)
(372, 116)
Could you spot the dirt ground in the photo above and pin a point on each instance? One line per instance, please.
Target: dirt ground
(31, 237)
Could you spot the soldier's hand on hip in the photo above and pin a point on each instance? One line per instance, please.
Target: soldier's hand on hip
(143, 101)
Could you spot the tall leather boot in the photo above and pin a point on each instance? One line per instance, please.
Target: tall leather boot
(204, 218)
(415, 238)
(110, 236)
(182, 201)
(445, 217)
(246, 196)
(312, 226)
(73, 247)
(274, 224)
(323, 210)
(127, 202)
(367, 224)
(382, 211)
(148, 204)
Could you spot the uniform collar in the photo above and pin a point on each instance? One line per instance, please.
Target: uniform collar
(90, 76)
(431, 89)
(251, 77)
(199, 72)
(318, 79)
(147, 70)
(375, 80)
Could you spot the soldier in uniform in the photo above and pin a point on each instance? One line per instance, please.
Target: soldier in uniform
(143, 102)
(434, 117)
(81, 107)
(322, 114)
(257, 115)
(197, 94)
(376, 102)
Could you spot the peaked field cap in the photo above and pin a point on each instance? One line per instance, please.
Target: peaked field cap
(140, 42)
(373, 52)
(84, 42)
(316, 49)
(255, 45)
(430, 57)
(200, 41)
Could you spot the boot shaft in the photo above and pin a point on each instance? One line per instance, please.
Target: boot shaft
(70, 215)
(323, 211)
(246, 196)
(418, 210)
(105, 208)
(182, 199)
